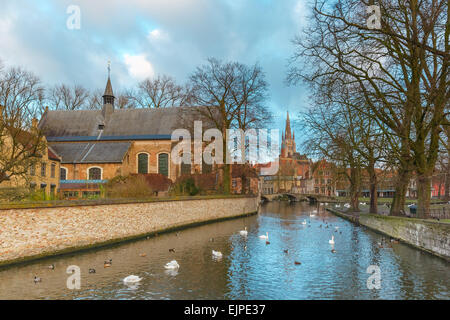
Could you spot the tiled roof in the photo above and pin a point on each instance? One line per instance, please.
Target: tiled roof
(91, 152)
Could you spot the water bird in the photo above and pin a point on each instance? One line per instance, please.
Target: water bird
(211, 239)
(243, 232)
(286, 251)
(332, 240)
(51, 267)
(333, 251)
(132, 279)
(172, 265)
(143, 254)
(304, 222)
(394, 240)
(91, 270)
(172, 250)
(347, 205)
(37, 279)
(297, 263)
(265, 237)
(217, 254)
(107, 264)
(267, 242)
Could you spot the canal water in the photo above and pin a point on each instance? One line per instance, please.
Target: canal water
(249, 268)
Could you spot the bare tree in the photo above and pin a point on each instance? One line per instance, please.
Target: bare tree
(161, 92)
(233, 96)
(21, 143)
(64, 97)
(401, 69)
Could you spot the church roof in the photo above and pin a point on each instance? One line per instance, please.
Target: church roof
(121, 124)
(91, 152)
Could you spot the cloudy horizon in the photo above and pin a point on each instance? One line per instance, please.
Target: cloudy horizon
(146, 38)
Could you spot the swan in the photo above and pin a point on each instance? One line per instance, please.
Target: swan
(244, 232)
(37, 279)
(217, 254)
(332, 240)
(172, 265)
(265, 237)
(337, 205)
(304, 222)
(132, 279)
(347, 205)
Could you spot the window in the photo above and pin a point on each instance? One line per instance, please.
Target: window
(32, 169)
(43, 169)
(63, 174)
(143, 163)
(95, 174)
(163, 164)
(52, 170)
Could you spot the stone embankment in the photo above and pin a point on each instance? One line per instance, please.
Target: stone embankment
(428, 235)
(27, 234)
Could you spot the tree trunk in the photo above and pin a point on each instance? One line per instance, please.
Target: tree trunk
(373, 181)
(354, 188)
(401, 186)
(423, 195)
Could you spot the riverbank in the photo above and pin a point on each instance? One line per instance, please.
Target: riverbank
(28, 234)
(427, 235)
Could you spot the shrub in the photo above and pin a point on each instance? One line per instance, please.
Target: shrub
(133, 186)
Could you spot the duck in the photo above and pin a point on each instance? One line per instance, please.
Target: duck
(172, 250)
(286, 251)
(266, 236)
(244, 232)
(347, 205)
(172, 265)
(37, 279)
(91, 270)
(394, 240)
(267, 242)
(132, 279)
(333, 251)
(297, 263)
(143, 254)
(51, 267)
(332, 240)
(107, 264)
(217, 254)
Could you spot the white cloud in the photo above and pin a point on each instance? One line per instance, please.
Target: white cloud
(138, 66)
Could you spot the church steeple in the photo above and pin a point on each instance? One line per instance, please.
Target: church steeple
(108, 96)
(288, 127)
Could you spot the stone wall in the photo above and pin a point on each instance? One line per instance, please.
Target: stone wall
(32, 233)
(428, 235)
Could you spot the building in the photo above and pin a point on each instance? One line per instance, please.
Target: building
(294, 174)
(324, 178)
(41, 172)
(98, 145)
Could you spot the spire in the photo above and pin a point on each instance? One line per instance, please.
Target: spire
(288, 127)
(108, 96)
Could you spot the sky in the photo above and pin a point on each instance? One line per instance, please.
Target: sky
(143, 38)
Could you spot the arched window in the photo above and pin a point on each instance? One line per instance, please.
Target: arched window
(142, 163)
(63, 174)
(163, 164)
(95, 173)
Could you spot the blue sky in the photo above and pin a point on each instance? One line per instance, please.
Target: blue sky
(143, 38)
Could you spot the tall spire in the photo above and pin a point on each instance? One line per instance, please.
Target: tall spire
(108, 96)
(288, 127)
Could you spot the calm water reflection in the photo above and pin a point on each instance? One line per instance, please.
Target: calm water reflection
(249, 269)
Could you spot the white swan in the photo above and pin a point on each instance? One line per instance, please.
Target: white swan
(304, 222)
(337, 205)
(132, 279)
(244, 232)
(332, 240)
(347, 205)
(217, 254)
(266, 236)
(172, 265)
